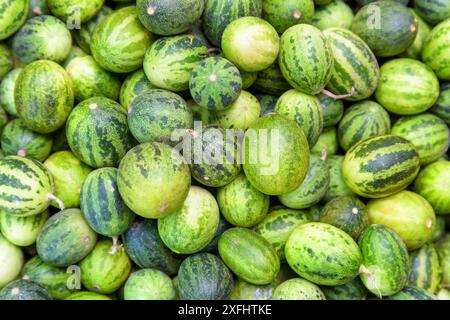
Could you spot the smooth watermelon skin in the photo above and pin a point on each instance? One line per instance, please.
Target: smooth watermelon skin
(191, 228)
(425, 269)
(25, 186)
(17, 139)
(145, 248)
(305, 110)
(327, 144)
(443, 247)
(249, 255)
(169, 17)
(434, 11)
(408, 214)
(312, 189)
(338, 186)
(153, 166)
(87, 295)
(242, 290)
(423, 30)
(298, 289)
(250, 43)
(85, 9)
(6, 60)
(352, 290)
(215, 83)
(68, 174)
(441, 107)
(111, 45)
(24, 290)
(431, 185)
(214, 156)
(332, 110)
(42, 38)
(45, 108)
(407, 87)
(278, 225)
(13, 15)
(102, 205)
(355, 68)
(284, 14)
(91, 80)
(218, 14)
(291, 158)
(22, 231)
(97, 132)
(412, 293)
(306, 58)
(395, 32)
(170, 60)
(105, 268)
(149, 284)
(241, 204)
(11, 261)
(436, 51)
(243, 113)
(346, 213)
(336, 14)
(83, 36)
(134, 84)
(385, 266)
(428, 133)
(204, 277)
(335, 257)
(362, 121)
(271, 81)
(380, 166)
(153, 116)
(7, 91)
(53, 279)
(65, 239)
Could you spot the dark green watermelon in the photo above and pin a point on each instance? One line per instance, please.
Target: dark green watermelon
(6, 60)
(24, 290)
(134, 84)
(332, 109)
(283, 14)
(352, 290)
(271, 81)
(7, 92)
(433, 11)
(441, 108)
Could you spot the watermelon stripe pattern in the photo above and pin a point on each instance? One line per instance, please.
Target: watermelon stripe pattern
(426, 272)
(381, 166)
(436, 51)
(355, 66)
(102, 205)
(25, 186)
(13, 14)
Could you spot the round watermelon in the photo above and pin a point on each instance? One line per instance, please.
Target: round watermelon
(407, 87)
(156, 114)
(408, 214)
(45, 108)
(97, 132)
(11, 261)
(381, 166)
(91, 80)
(119, 41)
(17, 139)
(241, 204)
(215, 83)
(7, 92)
(434, 11)
(431, 184)
(306, 58)
(24, 290)
(157, 167)
(134, 84)
(6, 60)
(42, 38)
(271, 81)
(169, 62)
(102, 205)
(436, 50)
(336, 14)
(22, 231)
(75, 11)
(251, 43)
(12, 16)
(149, 284)
(283, 14)
(298, 289)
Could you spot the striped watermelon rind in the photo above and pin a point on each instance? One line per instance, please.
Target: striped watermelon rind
(423, 30)
(338, 186)
(6, 60)
(355, 70)
(443, 248)
(435, 51)
(22, 231)
(425, 269)
(85, 9)
(336, 14)
(102, 205)
(441, 107)
(298, 289)
(428, 133)
(134, 84)
(412, 293)
(149, 284)
(434, 11)
(285, 14)
(333, 110)
(305, 58)
(24, 290)
(271, 81)
(14, 13)
(327, 144)
(380, 166)
(352, 290)
(407, 87)
(7, 91)
(111, 45)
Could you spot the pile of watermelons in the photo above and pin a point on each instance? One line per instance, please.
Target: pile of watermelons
(224, 149)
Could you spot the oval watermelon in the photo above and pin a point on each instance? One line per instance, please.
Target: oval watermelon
(79, 10)
(12, 16)
(435, 51)
(11, 261)
(7, 86)
(22, 231)
(134, 84)
(283, 14)
(425, 269)
(336, 14)
(434, 11)
(24, 290)
(149, 284)
(298, 289)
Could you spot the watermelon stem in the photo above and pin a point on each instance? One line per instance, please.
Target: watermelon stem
(324, 154)
(114, 246)
(213, 51)
(338, 96)
(363, 269)
(52, 197)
